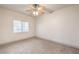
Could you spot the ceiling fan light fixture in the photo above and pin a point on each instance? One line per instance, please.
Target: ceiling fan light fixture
(35, 10)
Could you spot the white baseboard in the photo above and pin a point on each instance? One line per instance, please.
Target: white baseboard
(17, 40)
(58, 42)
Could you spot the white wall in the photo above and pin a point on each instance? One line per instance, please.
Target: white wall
(6, 22)
(61, 26)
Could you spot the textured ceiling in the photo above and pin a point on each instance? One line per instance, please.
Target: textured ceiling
(21, 7)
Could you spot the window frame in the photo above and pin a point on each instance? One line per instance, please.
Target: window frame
(22, 30)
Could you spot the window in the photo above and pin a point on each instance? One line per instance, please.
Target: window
(20, 26)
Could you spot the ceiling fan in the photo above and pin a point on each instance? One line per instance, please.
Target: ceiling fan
(37, 9)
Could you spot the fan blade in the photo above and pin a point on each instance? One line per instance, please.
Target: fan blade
(49, 10)
(46, 8)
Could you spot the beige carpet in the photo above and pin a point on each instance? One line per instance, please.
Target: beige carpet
(36, 46)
